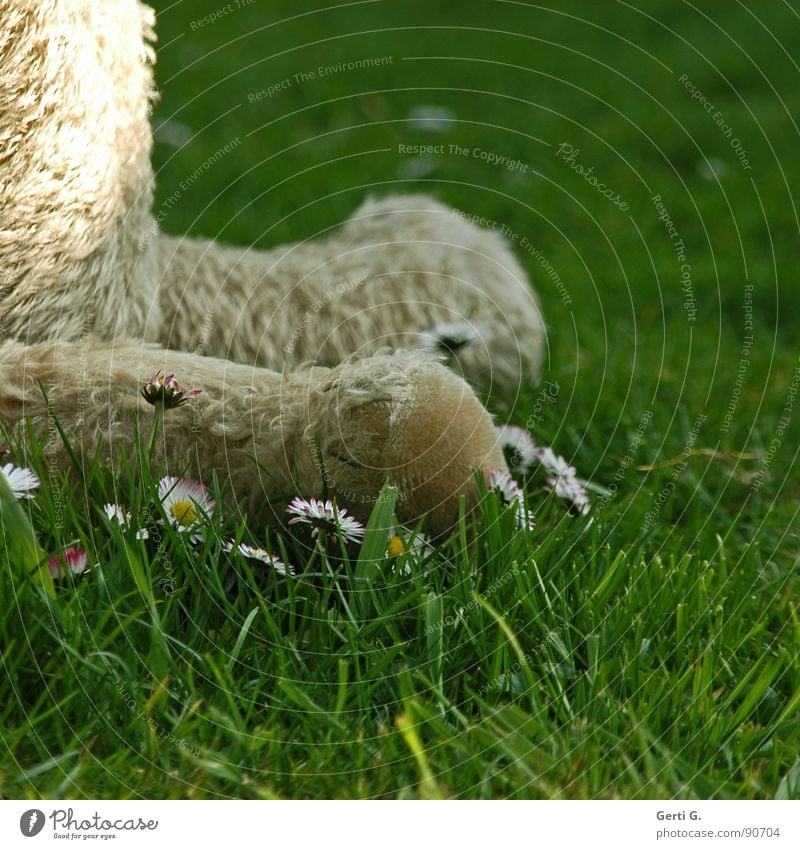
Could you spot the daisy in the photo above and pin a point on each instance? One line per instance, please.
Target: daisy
(563, 480)
(518, 446)
(117, 513)
(167, 391)
(71, 560)
(521, 451)
(326, 517)
(552, 462)
(398, 544)
(505, 485)
(525, 519)
(512, 495)
(259, 554)
(568, 487)
(449, 337)
(22, 482)
(419, 545)
(186, 504)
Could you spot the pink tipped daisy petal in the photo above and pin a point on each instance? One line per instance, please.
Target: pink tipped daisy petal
(551, 462)
(562, 479)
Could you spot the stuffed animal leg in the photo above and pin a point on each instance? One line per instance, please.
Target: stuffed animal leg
(347, 430)
(404, 272)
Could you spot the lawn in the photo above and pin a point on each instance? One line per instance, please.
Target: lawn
(643, 162)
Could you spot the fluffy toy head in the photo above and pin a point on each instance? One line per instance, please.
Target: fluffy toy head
(403, 419)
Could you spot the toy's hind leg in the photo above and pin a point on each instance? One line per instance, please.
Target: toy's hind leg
(403, 272)
(444, 281)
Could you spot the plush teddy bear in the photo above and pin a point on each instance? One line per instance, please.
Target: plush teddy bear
(351, 358)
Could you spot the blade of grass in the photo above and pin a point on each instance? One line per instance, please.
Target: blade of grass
(21, 539)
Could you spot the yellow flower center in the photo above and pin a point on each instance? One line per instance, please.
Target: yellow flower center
(396, 547)
(183, 512)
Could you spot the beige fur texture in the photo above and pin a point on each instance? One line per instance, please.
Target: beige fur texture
(75, 176)
(397, 269)
(88, 282)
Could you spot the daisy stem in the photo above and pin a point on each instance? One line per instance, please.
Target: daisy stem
(308, 568)
(158, 416)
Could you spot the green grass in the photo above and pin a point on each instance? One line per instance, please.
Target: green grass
(651, 653)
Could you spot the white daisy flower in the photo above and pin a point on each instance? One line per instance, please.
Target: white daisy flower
(562, 479)
(512, 495)
(712, 169)
(398, 544)
(568, 487)
(326, 517)
(508, 488)
(117, 513)
(518, 447)
(259, 554)
(74, 560)
(551, 462)
(418, 167)
(172, 133)
(525, 518)
(22, 482)
(186, 503)
(449, 338)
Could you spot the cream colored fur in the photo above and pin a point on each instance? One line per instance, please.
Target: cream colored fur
(82, 263)
(75, 175)
(395, 270)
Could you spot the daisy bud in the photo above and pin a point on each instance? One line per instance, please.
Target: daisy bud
(71, 560)
(167, 391)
